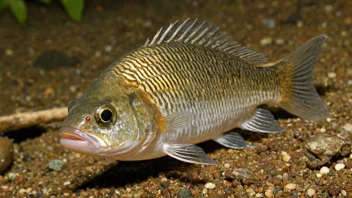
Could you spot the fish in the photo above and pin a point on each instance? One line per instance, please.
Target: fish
(190, 83)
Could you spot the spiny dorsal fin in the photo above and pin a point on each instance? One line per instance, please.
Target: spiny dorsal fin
(204, 34)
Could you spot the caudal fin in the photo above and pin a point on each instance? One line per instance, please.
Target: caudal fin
(299, 96)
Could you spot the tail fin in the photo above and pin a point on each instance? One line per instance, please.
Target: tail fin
(299, 96)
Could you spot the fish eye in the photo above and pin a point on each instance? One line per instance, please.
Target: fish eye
(105, 115)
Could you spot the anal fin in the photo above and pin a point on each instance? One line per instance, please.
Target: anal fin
(232, 140)
(188, 153)
(262, 121)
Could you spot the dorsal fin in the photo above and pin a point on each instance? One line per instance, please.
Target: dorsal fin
(204, 34)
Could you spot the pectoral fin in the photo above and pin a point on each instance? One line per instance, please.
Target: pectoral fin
(232, 140)
(262, 121)
(188, 153)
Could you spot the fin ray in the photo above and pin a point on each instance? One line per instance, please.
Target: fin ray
(232, 140)
(188, 153)
(299, 96)
(262, 121)
(207, 35)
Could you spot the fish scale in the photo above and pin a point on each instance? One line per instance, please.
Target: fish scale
(200, 75)
(188, 84)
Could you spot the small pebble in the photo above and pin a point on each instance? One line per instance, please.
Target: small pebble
(343, 193)
(331, 75)
(310, 192)
(56, 164)
(205, 191)
(6, 153)
(27, 158)
(285, 177)
(269, 193)
(8, 52)
(97, 53)
(184, 193)
(258, 195)
(324, 170)
(286, 157)
(343, 33)
(323, 130)
(328, 8)
(209, 185)
(269, 22)
(348, 127)
(279, 41)
(290, 186)
(108, 48)
(13, 176)
(339, 166)
(300, 24)
(250, 191)
(266, 41)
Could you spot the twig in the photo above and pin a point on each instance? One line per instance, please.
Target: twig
(23, 120)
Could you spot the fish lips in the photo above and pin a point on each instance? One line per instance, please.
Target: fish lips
(79, 141)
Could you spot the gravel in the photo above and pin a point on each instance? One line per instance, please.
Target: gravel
(56, 164)
(252, 172)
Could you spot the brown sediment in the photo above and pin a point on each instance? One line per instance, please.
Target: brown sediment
(263, 171)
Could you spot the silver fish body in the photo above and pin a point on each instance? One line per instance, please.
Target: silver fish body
(189, 84)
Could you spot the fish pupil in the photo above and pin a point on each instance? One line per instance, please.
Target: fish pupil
(106, 115)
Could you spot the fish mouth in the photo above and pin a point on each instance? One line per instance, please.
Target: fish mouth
(79, 141)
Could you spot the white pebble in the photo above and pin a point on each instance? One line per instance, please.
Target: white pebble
(97, 53)
(348, 127)
(108, 48)
(210, 185)
(258, 195)
(331, 75)
(227, 165)
(343, 193)
(286, 157)
(300, 24)
(290, 186)
(339, 166)
(323, 130)
(269, 193)
(319, 175)
(324, 170)
(67, 183)
(9, 52)
(266, 41)
(205, 191)
(310, 192)
(328, 8)
(279, 41)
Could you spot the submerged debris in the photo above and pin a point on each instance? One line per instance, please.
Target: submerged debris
(323, 147)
